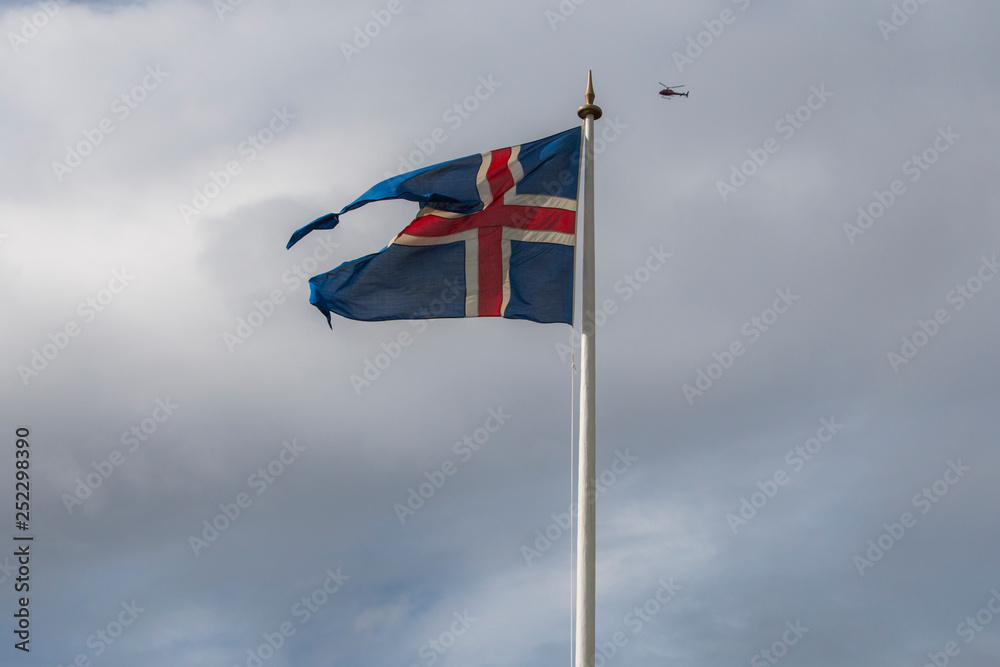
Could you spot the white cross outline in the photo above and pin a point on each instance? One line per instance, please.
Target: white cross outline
(508, 234)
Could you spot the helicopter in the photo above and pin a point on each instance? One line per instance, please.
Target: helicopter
(668, 91)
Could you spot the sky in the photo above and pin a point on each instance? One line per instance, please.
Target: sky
(797, 353)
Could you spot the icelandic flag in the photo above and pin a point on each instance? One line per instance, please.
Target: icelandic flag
(494, 237)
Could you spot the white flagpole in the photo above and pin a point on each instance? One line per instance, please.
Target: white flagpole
(586, 494)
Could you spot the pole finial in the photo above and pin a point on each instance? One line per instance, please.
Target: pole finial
(590, 109)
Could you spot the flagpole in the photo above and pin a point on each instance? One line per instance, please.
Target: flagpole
(587, 456)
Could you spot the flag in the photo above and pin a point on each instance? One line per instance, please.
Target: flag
(494, 237)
